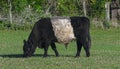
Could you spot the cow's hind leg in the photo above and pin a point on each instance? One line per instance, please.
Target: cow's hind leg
(45, 46)
(53, 46)
(86, 43)
(79, 46)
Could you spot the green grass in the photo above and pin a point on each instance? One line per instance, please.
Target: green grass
(105, 52)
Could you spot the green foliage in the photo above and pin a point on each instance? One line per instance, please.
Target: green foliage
(7, 25)
(3, 7)
(67, 8)
(18, 5)
(1, 25)
(98, 8)
(4, 25)
(106, 24)
(29, 11)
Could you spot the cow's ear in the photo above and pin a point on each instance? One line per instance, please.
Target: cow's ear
(24, 41)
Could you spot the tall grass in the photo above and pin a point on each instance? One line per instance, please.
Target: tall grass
(105, 52)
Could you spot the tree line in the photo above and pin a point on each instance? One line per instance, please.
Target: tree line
(21, 12)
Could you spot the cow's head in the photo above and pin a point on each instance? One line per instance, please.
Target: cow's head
(27, 49)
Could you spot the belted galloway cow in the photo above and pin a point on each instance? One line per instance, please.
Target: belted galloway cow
(63, 30)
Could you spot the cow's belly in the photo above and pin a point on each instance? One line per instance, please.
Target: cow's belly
(63, 30)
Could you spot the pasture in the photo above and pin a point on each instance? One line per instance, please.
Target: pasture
(105, 52)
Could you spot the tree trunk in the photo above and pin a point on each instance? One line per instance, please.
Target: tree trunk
(10, 11)
(107, 6)
(84, 8)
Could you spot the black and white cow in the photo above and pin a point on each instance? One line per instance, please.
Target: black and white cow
(63, 30)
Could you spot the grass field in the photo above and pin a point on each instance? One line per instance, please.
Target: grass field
(105, 52)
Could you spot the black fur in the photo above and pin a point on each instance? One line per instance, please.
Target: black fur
(42, 36)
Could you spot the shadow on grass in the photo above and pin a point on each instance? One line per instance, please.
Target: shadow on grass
(35, 55)
(18, 55)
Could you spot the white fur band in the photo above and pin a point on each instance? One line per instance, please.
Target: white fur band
(62, 29)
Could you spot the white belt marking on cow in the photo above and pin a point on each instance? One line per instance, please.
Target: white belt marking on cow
(63, 30)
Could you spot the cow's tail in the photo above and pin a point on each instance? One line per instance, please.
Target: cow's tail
(89, 40)
(89, 37)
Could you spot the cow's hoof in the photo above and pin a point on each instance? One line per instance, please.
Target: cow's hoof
(77, 56)
(26, 56)
(57, 55)
(87, 55)
(45, 56)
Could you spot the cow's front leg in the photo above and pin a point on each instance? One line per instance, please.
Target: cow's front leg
(53, 46)
(45, 51)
